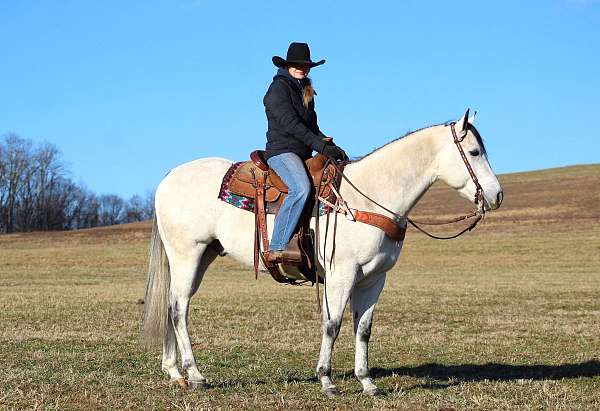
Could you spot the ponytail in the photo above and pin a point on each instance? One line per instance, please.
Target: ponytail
(308, 93)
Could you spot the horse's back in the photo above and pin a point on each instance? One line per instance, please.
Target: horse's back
(203, 172)
(201, 166)
(185, 199)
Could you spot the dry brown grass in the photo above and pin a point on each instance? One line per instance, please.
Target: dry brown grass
(505, 317)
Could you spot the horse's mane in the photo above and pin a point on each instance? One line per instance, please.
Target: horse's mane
(410, 132)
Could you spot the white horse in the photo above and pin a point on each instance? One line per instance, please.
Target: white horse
(192, 227)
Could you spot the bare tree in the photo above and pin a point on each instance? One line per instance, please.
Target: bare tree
(112, 208)
(17, 165)
(149, 205)
(134, 209)
(36, 193)
(50, 184)
(3, 185)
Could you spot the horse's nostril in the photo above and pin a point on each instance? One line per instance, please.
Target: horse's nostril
(500, 197)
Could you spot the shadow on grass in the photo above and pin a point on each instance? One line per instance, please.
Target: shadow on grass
(492, 371)
(248, 383)
(440, 376)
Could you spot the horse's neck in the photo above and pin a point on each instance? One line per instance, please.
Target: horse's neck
(396, 175)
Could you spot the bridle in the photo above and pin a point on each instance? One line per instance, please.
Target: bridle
(479, 198)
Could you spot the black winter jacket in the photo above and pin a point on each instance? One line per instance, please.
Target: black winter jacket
(292, 127)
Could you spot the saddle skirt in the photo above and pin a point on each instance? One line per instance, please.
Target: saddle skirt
(238, 186)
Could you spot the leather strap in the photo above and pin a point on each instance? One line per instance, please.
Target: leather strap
(478, 189)
(258, 220)
(256, 243)
(261, 227)
(391, 228)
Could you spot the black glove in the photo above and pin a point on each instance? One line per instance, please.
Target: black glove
(333, 151)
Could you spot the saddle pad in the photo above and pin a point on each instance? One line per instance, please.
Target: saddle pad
(239, 201)
(246, 202)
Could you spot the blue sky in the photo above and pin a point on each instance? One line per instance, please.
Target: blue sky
(130, 89)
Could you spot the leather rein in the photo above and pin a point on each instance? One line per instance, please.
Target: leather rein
(357, 215)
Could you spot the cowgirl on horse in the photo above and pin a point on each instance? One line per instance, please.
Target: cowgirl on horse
(292, 135)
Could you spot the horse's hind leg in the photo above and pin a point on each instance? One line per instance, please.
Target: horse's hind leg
(169, 357)
(186, 274)
(363, 300)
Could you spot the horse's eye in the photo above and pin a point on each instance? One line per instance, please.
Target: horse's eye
(474, 152)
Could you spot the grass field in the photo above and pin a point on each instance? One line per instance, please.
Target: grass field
(505, 317)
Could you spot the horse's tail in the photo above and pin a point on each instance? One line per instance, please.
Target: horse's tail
(156, 300)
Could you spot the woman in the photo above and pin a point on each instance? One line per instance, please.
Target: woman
(292, 135)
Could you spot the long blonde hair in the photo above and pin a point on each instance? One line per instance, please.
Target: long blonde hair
(308, 93)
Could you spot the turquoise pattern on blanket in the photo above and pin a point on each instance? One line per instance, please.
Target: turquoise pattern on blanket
(239, 201)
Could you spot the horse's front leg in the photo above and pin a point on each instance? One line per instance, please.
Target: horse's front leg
(335, 297)
(364, 297)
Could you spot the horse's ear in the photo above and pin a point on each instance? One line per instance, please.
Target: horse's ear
(463, 122)
(472, 118)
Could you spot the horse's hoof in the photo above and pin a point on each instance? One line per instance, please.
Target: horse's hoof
(197, 384)
(182, 383)
(372, 392)
(331, 392)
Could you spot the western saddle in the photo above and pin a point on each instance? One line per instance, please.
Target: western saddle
(244, 179)
(255, 180)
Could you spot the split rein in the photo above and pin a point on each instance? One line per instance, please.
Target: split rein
(479, 200)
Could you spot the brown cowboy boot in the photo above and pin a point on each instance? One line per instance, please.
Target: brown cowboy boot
(290, 256)
(283, 257)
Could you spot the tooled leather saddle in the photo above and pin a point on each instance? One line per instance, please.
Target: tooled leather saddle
(244, 179)
(254, 180)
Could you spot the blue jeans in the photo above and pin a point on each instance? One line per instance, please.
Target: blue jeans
(292, 171)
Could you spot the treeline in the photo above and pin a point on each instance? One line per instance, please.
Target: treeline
(36, 193)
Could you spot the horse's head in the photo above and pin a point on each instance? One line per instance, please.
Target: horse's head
(453, 170)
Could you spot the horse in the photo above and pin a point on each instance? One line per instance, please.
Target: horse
(192, 227)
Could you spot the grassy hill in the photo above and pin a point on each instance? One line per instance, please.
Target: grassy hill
(567, 196)
(507, 316)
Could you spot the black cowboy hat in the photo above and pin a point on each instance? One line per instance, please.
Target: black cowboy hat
(298, 53)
